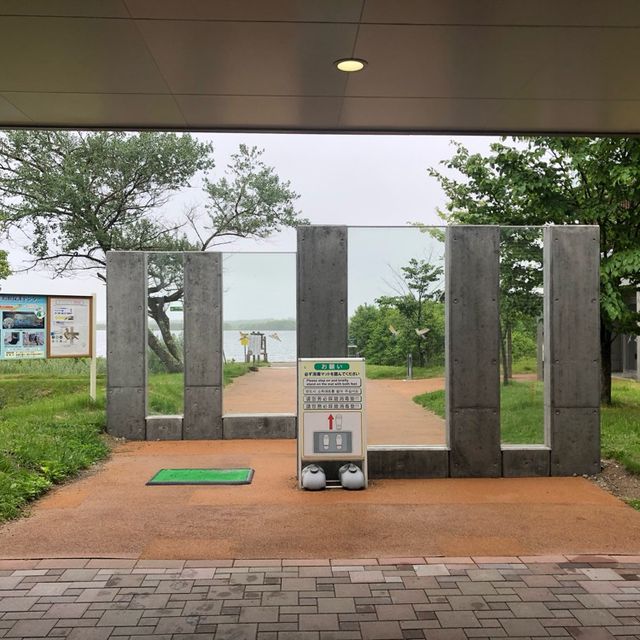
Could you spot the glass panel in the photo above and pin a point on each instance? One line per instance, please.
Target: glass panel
(396, 321)
(521, 305)
(165, 358)
(259, 312)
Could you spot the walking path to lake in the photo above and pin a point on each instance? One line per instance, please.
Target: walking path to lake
(392, 416)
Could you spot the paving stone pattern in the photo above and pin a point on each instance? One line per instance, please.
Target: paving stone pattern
(582, 597)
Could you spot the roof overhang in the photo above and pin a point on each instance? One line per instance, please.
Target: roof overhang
(476, 66)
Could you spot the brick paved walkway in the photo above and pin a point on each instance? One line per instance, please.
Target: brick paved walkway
(590, 598)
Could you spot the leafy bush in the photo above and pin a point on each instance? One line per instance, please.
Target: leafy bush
(523, 344)
(369, 330)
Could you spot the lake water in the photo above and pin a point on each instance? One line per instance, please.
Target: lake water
(282, 350)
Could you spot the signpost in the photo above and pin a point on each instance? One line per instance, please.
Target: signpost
(49, 327)
(331, 420)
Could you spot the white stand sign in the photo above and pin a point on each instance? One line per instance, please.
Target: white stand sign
(331, 402)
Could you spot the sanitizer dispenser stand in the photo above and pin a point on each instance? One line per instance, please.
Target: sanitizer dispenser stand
(331, 417)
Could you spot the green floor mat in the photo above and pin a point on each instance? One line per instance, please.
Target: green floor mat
(203, 476)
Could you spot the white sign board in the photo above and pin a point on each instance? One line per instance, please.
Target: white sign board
(70, 327)
(331, 402)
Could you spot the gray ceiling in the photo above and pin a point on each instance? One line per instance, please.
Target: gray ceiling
(434, 65)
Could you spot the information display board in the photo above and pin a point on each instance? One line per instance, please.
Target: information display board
(331, 403)
(22, 327)
(70, 321)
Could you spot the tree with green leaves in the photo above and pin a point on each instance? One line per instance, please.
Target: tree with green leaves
(249, 201)
(5, 271)
(73, 196)
(562, 180)
(369, 331)
(520, 288)
(418, 285)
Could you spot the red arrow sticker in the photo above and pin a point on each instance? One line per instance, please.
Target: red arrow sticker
(330, 418)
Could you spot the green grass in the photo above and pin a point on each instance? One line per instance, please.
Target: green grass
(165, 393)
(165, 390)
(53, 367)
(399, 372)
(50, 429)
(634, 504)
(235, 370)
(621, 425)
(525, 365)
(521, 406)
(521, 411)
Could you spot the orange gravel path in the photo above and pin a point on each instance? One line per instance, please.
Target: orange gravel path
(268, 390)
(113, 514)
(392, 416)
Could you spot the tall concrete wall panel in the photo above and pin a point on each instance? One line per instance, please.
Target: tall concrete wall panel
(202, 346)
(472, 350)
(322, 292)
(126, 344)
(572, 348)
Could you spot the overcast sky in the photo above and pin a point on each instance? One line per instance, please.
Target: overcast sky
(348, 180)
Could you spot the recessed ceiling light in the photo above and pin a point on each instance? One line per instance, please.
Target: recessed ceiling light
(349, 65)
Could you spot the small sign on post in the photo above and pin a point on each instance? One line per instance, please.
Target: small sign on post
(331, 418)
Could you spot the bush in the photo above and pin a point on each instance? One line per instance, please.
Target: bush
(369, 331)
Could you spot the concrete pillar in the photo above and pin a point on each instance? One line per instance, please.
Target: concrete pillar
(472, 350)
(202, 346)
(126, 344)
(572, 348)
(322, 292)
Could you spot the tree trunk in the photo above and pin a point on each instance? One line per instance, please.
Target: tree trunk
(171, 364)
(422, 353)
(605, 364)
(503, 354)
(169, 353)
